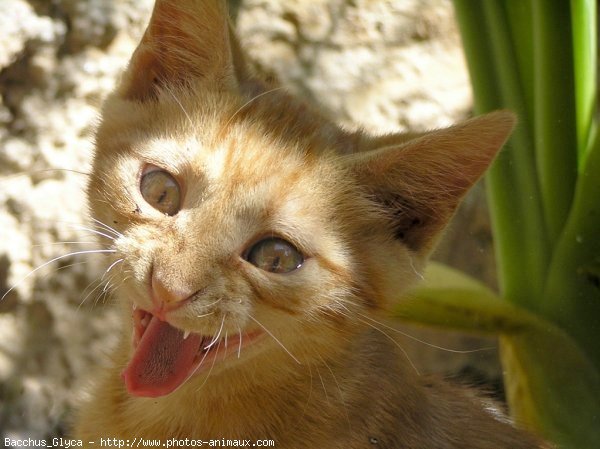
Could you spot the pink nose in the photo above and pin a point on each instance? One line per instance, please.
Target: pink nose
(168, 297)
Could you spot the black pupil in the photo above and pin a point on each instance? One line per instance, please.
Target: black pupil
(276, 262)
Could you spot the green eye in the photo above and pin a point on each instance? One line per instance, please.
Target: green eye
(275, 256)
(161, 191)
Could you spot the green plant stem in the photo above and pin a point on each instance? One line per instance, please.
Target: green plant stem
(515, 205)
(585, 51)
(573, 288)
(555, 137)
(484, 79)
(519, 15)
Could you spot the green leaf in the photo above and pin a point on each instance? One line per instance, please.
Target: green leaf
(551, 383)
(451, 299)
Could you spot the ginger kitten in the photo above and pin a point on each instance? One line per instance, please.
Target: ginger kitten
(256, 243)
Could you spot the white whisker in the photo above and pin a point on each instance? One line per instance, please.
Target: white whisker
(275, 338)
(248, 102)
(43, 170)
(100, 283)
(116, 286)
(94, 231)
(194, 372)
(412, 265)
(110, 289)
(396, 343)
(456, 351)
(211, 367)
(63, 243)
(189, 119)
(383, 333)
(111, 266)
(240, 342)
(310, 391)
(216, 338)
(105, 291)
(323, 383)
(204, 356)
(107, 227)
(85, 290)
(213, 363)
(72, 265)
(91, 251)
(211, 304)
(107, 284)
(339, 389)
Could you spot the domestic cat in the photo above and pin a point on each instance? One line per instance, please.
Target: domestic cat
(258, 245)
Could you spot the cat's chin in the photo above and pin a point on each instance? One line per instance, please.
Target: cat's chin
(165, 357)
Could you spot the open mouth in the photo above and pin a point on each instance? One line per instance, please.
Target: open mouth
(164, 357)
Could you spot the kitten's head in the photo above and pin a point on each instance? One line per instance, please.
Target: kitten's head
(251, 226)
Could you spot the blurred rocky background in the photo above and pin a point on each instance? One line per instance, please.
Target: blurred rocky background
(382, 65)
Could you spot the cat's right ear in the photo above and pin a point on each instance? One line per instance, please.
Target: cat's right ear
(186, 41)
(420, 182)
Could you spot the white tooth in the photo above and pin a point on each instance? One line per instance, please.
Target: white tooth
(134, 306)
(186, 334)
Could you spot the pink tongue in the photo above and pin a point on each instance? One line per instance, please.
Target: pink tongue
(162, 361)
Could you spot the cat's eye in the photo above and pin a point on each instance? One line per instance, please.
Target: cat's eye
(275, 255)
(161, 190)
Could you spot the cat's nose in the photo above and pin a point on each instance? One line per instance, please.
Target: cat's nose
(168, 297)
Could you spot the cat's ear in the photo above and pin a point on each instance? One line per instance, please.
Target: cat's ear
(186, 40)
(421, 182)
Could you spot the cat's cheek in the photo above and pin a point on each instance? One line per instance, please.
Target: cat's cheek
(389, 270)
(299, 293)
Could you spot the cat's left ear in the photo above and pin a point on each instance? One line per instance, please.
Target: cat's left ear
(186, 40)
(421, 182)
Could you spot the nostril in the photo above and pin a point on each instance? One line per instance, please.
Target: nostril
(166, 293)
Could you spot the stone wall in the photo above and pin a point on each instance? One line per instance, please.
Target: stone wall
(384, 65)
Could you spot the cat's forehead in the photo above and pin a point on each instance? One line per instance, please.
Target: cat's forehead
(240, 156)
(215, 135)
(274, 120)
